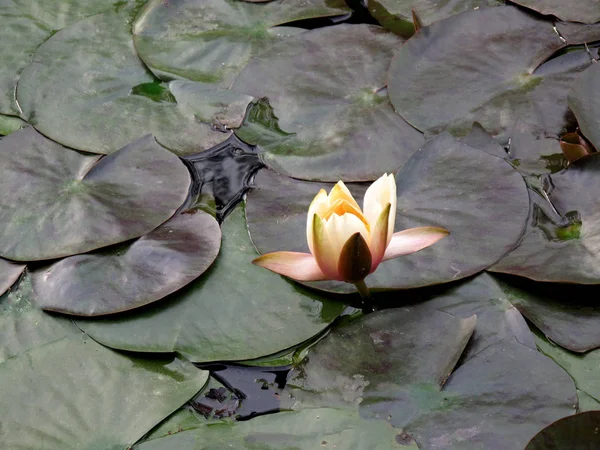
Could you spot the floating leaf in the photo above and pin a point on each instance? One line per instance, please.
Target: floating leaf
(442, 78)
(10, 124)
(133, 274)
(585, 103)
(25, 25)
(57, 202)
(575, 146)
(74, 393)
(586, 11)
(87, 89)
(568, 314)
(335, 121)
(447, 184)
(583, 368)
(9, 274)
(305, 430)
(212, 40)
(575, 432)
(397, 15)
(561, 243)
(235, 311)
(396, 365)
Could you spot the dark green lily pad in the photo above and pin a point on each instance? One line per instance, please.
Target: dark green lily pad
(335, 121)
(497, 319)
(57, 202)
(586, 11)
(25, 326)
(583, 369)
(25, 25)
(134, 274)
(212, 40)
(9, 274)
(87, 89)
(465, 69)
(10, 124)
(447, 184)
(235, 311)
(580, 432)
(397, 366)
(568, 314)
(305, 430)
(562, 240)
(60, 400)
(585, 103)
(396, 15)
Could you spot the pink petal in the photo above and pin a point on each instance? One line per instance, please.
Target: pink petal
(412, 240)
(299, 266)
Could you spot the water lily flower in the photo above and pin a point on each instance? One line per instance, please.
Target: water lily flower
(347, 243)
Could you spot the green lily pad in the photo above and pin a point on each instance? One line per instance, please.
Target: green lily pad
(484, 295)
(574, 432)
(568, 314)
(465, 69)
(397, 365)
(583, 368)
(447, 184)
(10, 273)
(396, 15)
(212, 40)
(233, 312)
(305, 430)
(562, 240)
(335, 120)
(10, 124)
(87, 89)
(25, 326)
(133, 274)
(586, 11)
(585, 103)
(25, 25)
(57, 202)
(60, 400)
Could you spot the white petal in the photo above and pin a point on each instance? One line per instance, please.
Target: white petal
(378, 195)
(319, 205)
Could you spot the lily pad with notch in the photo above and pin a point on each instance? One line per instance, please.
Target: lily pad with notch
(331, 118)
(447, 184)
(57, 202)
(133, 274)
(62, 393)
(212, 40)
(464, 69)
(398, 366)
(106, 97)
(27, 24)
(562, 239)
(235, 311)
(397, 15)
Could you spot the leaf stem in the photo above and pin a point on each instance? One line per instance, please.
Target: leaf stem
(363, 290)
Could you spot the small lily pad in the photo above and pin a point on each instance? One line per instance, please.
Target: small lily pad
(57, 202)
(441, 79)
(447, 184)
(331, 118)
(232, 312)
(212, 40)
(562, 240)
(87, 89)
(130, 275)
